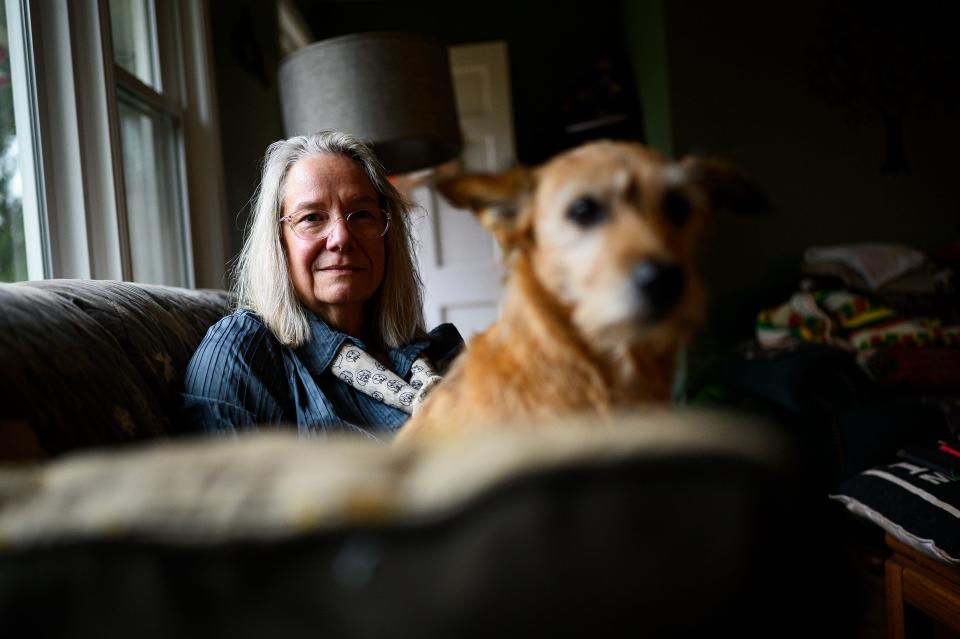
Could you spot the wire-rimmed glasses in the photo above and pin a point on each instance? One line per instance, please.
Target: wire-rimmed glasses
(367, 223)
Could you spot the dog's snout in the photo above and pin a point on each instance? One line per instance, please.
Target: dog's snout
(661, 284)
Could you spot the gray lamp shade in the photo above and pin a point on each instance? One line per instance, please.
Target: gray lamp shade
(391, 89)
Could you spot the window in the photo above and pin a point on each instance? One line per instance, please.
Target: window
(21, 250)
(13, 252)
(128, 181)
(152, 185)
(134, 36)
(150, 133)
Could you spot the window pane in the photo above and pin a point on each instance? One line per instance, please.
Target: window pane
(13, 245)
(152, 185)
(134, 38)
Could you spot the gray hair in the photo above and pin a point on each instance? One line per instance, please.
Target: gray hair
(262, 282)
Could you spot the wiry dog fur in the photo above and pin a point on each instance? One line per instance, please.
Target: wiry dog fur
(601, 291)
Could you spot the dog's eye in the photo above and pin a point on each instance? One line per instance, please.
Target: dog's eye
(586, 211)
(677, 209)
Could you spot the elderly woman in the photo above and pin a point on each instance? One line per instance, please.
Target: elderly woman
(328, 333)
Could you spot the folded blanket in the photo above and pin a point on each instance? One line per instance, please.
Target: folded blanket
(875, 263)
(849, 321)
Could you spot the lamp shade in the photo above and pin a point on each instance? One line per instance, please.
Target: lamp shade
(390, 89)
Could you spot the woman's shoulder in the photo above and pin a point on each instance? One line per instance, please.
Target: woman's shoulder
(236, 375)
(242, 321)
(241, 330)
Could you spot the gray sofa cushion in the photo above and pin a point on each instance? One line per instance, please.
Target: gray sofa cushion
(89, 362)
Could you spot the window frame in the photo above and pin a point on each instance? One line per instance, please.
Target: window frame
(85, 212)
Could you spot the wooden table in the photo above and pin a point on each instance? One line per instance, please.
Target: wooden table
(928, 585)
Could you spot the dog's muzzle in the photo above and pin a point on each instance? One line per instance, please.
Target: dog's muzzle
(660, 284)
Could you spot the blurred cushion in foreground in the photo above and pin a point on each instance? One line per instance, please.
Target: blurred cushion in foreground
(681, 524)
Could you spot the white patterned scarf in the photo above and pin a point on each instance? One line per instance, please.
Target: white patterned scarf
(354, 366)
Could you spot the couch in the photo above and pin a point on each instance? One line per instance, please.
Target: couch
(116, 520)
(94, 363)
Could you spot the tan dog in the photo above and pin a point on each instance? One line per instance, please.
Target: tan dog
(602, 289)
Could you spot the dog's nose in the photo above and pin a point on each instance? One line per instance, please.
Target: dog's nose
(661, 284)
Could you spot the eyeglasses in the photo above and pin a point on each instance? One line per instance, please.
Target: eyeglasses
(364, 224)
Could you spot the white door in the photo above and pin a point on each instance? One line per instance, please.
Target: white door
(459, 260)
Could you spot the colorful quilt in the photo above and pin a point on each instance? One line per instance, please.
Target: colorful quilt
(848, 320)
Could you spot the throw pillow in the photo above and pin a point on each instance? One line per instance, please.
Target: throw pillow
(916, 501)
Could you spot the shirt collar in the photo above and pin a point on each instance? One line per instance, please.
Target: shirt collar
(325, 342)
(401, 359)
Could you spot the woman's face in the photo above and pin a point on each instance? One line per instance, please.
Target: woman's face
(332, 276)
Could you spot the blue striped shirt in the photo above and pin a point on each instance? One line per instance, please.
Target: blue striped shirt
(242, 378)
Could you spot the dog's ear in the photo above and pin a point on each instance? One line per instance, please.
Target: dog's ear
(497, 200)
(727, 187)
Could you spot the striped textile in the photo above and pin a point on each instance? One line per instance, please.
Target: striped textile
(913, 501)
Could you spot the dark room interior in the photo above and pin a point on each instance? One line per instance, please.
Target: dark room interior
(845, 115)
(831, 337)
(760, 85)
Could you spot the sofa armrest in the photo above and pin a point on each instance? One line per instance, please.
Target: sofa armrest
(92, 363)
